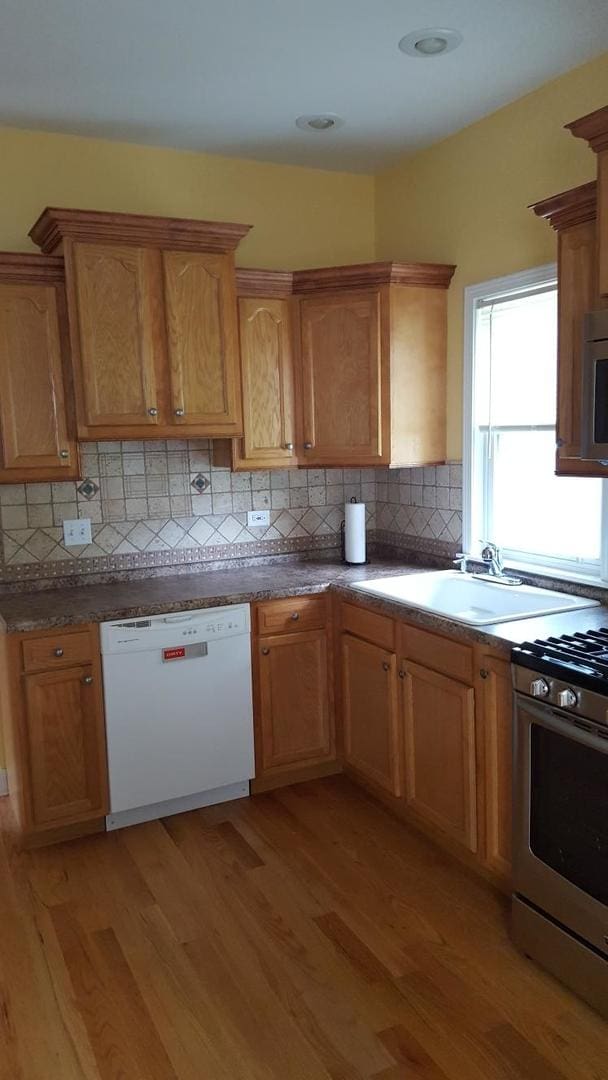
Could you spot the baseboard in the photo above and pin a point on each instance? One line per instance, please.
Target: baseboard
(3, 782)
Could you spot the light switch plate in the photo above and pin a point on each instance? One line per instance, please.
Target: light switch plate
(77, 532)
(258, 518)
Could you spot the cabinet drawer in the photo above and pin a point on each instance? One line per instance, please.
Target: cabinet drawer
(56, 650)
(451, 658)
(378, 629)
(297, 613)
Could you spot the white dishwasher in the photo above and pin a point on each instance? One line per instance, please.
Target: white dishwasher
(179, 715)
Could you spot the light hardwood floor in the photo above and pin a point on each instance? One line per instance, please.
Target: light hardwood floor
(299, 935)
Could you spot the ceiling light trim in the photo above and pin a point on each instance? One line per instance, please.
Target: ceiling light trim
(430, 42)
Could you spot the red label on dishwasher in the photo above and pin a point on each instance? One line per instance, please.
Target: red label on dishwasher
(178, 653)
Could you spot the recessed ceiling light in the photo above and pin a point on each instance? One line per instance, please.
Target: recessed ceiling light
(434, 41)
(320, 122)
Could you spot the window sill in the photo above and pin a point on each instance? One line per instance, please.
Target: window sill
(553, 574)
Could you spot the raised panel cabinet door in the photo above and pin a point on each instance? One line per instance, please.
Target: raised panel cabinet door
(119, 341)
(66, 746)
(372, 728)
(267, 373)
(295, 723)
(497, 727)
(341, 371)
(577, 295)
(202, 340)
(33, 421)
(440, 782)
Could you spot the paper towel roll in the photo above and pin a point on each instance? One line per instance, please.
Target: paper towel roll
(354, 532)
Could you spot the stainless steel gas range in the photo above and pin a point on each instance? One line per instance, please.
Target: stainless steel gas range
(560, 871)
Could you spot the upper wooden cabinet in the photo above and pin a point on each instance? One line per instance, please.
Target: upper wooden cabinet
(36, 441)
(594, 128)
(372, 375)
(153, 322)
(573, 216)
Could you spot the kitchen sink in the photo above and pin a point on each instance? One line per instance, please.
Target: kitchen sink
(468, 599)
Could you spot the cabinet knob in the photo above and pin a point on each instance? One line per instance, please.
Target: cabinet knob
(288, 446)
(559, 442)
(402, 674)
(308, 446)
(153, 412)
(64, 454)
(265, 652)
(58, 652)
(386, 666)
(484, 674)
(87, 680)
(179, 412)
(295, 615)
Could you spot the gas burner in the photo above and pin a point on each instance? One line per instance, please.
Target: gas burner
(582, 655)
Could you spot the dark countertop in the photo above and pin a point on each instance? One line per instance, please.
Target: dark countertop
(160, 595)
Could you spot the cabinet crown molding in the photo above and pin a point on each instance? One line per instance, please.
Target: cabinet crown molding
(17, 268)
(266, 283)
(593, 127)
(360, 275)
(185, 234)
(572, 207)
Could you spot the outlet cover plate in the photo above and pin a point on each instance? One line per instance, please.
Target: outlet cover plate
(77, 532)
(258, 519)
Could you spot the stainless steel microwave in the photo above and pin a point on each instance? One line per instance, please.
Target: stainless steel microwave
(594, 414)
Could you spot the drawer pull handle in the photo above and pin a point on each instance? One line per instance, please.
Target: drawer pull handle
(295, 615)
(288, 446)
(87, 680)
(308, 446)
(64, 454)
(386, 666)
(59, 652)
(153, 412)
(179, 412)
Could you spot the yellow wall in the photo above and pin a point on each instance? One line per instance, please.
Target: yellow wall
(464, 200)
(301, 217)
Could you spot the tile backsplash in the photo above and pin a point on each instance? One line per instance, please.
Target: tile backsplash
(158, 503)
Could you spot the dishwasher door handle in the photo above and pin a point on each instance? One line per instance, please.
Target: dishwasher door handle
(178, 618)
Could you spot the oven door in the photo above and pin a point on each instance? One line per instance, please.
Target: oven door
(561, 820)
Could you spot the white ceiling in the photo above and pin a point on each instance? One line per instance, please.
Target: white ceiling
(231, 76)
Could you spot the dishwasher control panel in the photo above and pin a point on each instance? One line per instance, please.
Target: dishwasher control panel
(176, 629)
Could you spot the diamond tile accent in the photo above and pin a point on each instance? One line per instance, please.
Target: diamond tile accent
(88, 489)
(200, 483)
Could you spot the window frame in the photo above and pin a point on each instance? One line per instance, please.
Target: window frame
(502, 288)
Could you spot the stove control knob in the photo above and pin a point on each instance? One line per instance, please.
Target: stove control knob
(567, 699)
(539, 688)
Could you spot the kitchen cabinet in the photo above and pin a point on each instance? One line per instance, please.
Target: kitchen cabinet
(573, 216)
(55, 733)
(36, 421)
(495, 701)
(266, 332)
(370, 715)
(372, 370)
(294, 718)
(153, 323)
(594, 128)
(440, 776)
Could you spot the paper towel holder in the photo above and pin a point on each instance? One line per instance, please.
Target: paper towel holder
(343, 542)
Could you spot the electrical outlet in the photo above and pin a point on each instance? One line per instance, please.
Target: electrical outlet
(77, 532)
(258, 518)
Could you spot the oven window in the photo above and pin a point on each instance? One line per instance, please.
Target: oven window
(600, 433)
(569, 809)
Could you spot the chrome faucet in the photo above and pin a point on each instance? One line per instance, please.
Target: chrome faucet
(492, 557)
(461, 560)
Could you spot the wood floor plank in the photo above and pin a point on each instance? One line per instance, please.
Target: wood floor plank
(303, 934)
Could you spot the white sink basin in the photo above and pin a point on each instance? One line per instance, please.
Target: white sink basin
(467, 599)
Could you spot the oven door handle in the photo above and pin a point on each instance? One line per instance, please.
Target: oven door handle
(562, 723)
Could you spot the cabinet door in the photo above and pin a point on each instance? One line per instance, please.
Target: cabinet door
(496, 718)
(202, 337)
(66, 746)
(295, 722)
(341, 379)
(118, 341)
(33, 420)
(267, 363)
(372, 734)
(439, 715)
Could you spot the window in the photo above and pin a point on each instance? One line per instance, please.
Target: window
(511, 494)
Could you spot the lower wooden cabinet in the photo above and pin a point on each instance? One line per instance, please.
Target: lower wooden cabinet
(370, 715)
(294, 714)
(496, 722)
(439, 722)
(55, 733)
